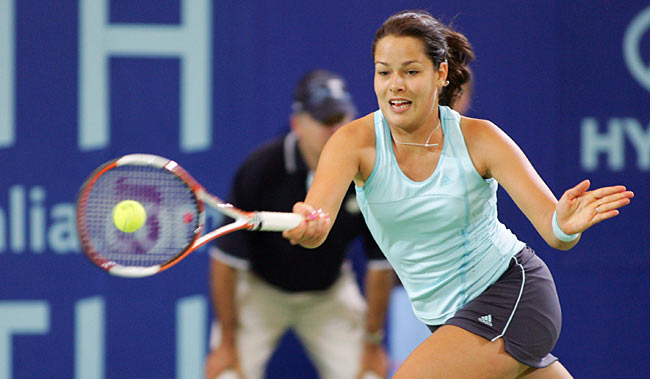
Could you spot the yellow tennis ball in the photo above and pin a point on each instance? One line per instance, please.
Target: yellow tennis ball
(129, 216)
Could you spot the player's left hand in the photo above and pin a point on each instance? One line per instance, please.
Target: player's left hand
(578, 208)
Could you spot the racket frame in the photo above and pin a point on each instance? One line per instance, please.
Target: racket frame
(243, 220)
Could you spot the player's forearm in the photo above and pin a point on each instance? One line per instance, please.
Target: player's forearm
(379, 284)
(223, 279)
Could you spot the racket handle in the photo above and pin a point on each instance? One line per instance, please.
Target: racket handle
(277, 221)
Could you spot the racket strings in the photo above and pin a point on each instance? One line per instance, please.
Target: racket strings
(171, 222)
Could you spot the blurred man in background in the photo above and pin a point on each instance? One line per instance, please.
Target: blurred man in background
(262, 286)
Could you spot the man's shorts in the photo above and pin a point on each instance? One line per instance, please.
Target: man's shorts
(522, 307)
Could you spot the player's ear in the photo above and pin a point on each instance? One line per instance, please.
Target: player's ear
(443, 71)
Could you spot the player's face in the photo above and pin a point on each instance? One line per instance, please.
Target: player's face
(406, 82)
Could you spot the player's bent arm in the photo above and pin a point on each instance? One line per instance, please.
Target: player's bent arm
(337, 166)
(577, 210)
(496, 155)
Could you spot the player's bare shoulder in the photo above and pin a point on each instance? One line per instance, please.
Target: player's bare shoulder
(476, 128)
(484, 141)
(356, 141)
(359, 133)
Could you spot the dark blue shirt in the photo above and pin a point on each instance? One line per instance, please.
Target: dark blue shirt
(274, 178)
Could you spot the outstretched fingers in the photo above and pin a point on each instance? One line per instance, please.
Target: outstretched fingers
(608, 200)
(611, 190)
(579, 208)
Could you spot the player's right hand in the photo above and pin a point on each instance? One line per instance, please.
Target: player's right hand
(313, 231)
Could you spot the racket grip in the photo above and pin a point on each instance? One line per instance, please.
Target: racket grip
(277, 221)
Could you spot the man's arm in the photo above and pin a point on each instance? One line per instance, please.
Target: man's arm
(222, 282)
(379, 284)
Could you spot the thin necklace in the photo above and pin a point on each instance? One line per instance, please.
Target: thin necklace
(426, 144)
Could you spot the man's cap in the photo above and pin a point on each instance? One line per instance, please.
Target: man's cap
(324, 96)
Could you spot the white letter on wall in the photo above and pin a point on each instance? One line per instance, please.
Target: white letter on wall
(190, 41)
(89, 338)
(610, 143)
(20, 317)
(640, 139)
(191, 319)
(7, 80)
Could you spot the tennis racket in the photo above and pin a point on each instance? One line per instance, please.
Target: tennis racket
(172, 222)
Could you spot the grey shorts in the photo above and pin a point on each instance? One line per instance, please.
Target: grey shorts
(521, 307)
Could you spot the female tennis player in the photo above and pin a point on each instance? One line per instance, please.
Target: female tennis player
(426, 181)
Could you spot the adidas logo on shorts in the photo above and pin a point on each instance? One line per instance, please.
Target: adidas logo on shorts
(487, 320)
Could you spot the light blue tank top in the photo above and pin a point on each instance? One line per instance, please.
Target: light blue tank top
(441, 235)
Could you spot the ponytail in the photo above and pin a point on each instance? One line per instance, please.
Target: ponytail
(459, 54)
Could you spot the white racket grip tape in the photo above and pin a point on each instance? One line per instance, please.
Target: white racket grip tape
(371, 375)
(278, 221)
(133, 272)
(228, 374)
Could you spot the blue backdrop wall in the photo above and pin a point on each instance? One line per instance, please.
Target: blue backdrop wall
(204, 82)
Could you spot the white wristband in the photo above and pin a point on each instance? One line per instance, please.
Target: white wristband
(559, 234)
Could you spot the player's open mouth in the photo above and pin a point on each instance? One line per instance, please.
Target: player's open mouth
(400, 105)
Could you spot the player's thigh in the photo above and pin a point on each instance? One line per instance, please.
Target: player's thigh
(452, 352)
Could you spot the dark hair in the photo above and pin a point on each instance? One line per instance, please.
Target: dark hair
(440, 42)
